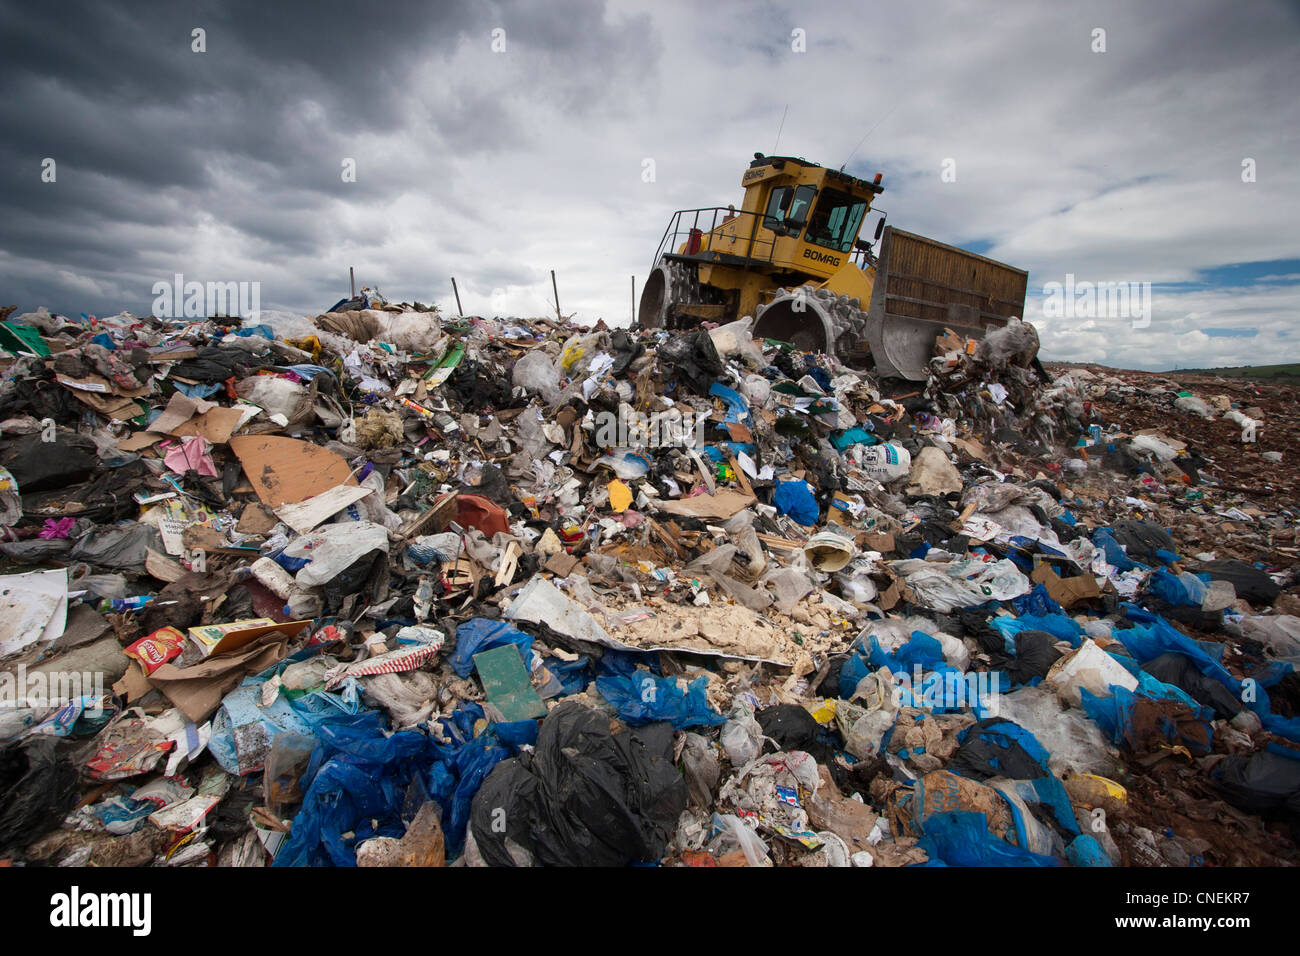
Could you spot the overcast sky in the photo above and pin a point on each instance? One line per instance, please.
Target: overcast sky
(494, 142)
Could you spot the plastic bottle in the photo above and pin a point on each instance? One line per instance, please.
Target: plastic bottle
(125, 604)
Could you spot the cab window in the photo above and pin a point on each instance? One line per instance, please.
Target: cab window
(787, 209)
(835, 223)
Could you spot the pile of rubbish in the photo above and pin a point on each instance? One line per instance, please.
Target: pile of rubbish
(387, 587)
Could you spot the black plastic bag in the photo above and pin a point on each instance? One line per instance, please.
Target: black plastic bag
(1181, 671)
(1143, 540)
(44, 466)
(37, 789)
(992, 749)
(584, 797)
(1259, 782)
(1251, 583)
(692, 359)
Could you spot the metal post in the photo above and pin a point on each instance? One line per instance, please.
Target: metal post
(634, 300)
(555, 289)
(459, 310)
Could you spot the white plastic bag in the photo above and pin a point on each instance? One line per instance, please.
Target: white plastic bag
(332, 547)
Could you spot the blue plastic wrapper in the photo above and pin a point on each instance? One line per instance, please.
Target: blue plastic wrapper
(1058, 625)
(298, 714)
(463, 766)
(737, 405)
(643, 698)
(1146, 643)
(574, 676)
(1114, 714)
(361, 780)
(481, 634)
(625, 663)
(263, 330)
(355, 783)
(1172, 589)
(1104, 539)
(962, 838)
(795, 498)
(1086, 851)
(1036, 602)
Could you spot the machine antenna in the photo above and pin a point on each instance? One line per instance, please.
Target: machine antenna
(779, 128)
(868, 133)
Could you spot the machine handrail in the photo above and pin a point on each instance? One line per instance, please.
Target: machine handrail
(674, 234)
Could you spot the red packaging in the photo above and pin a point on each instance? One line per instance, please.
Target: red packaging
(157, 649)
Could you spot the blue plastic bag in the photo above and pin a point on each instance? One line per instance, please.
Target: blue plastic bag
(643, 698)
(963, 838)
(355, 783)
(795, 498)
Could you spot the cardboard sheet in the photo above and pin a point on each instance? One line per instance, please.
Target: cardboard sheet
(725, 504)
(286, 471)
(304, 516)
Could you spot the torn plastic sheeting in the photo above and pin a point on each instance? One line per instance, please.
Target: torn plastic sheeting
(1182, 672)
(962, 838)
(945, 587)
(541, 602)
(1115, 715)
(1148, 643)
(644, 698)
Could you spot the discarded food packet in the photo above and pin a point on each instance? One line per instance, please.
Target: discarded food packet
(156, 649)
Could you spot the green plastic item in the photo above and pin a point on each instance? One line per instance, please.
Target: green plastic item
(506, 683)
(22, 339)
(442, 371)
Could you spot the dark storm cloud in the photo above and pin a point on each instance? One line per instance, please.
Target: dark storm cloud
(151, 138)
(496, 167)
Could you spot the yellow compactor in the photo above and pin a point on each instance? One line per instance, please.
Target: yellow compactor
(790, 257)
